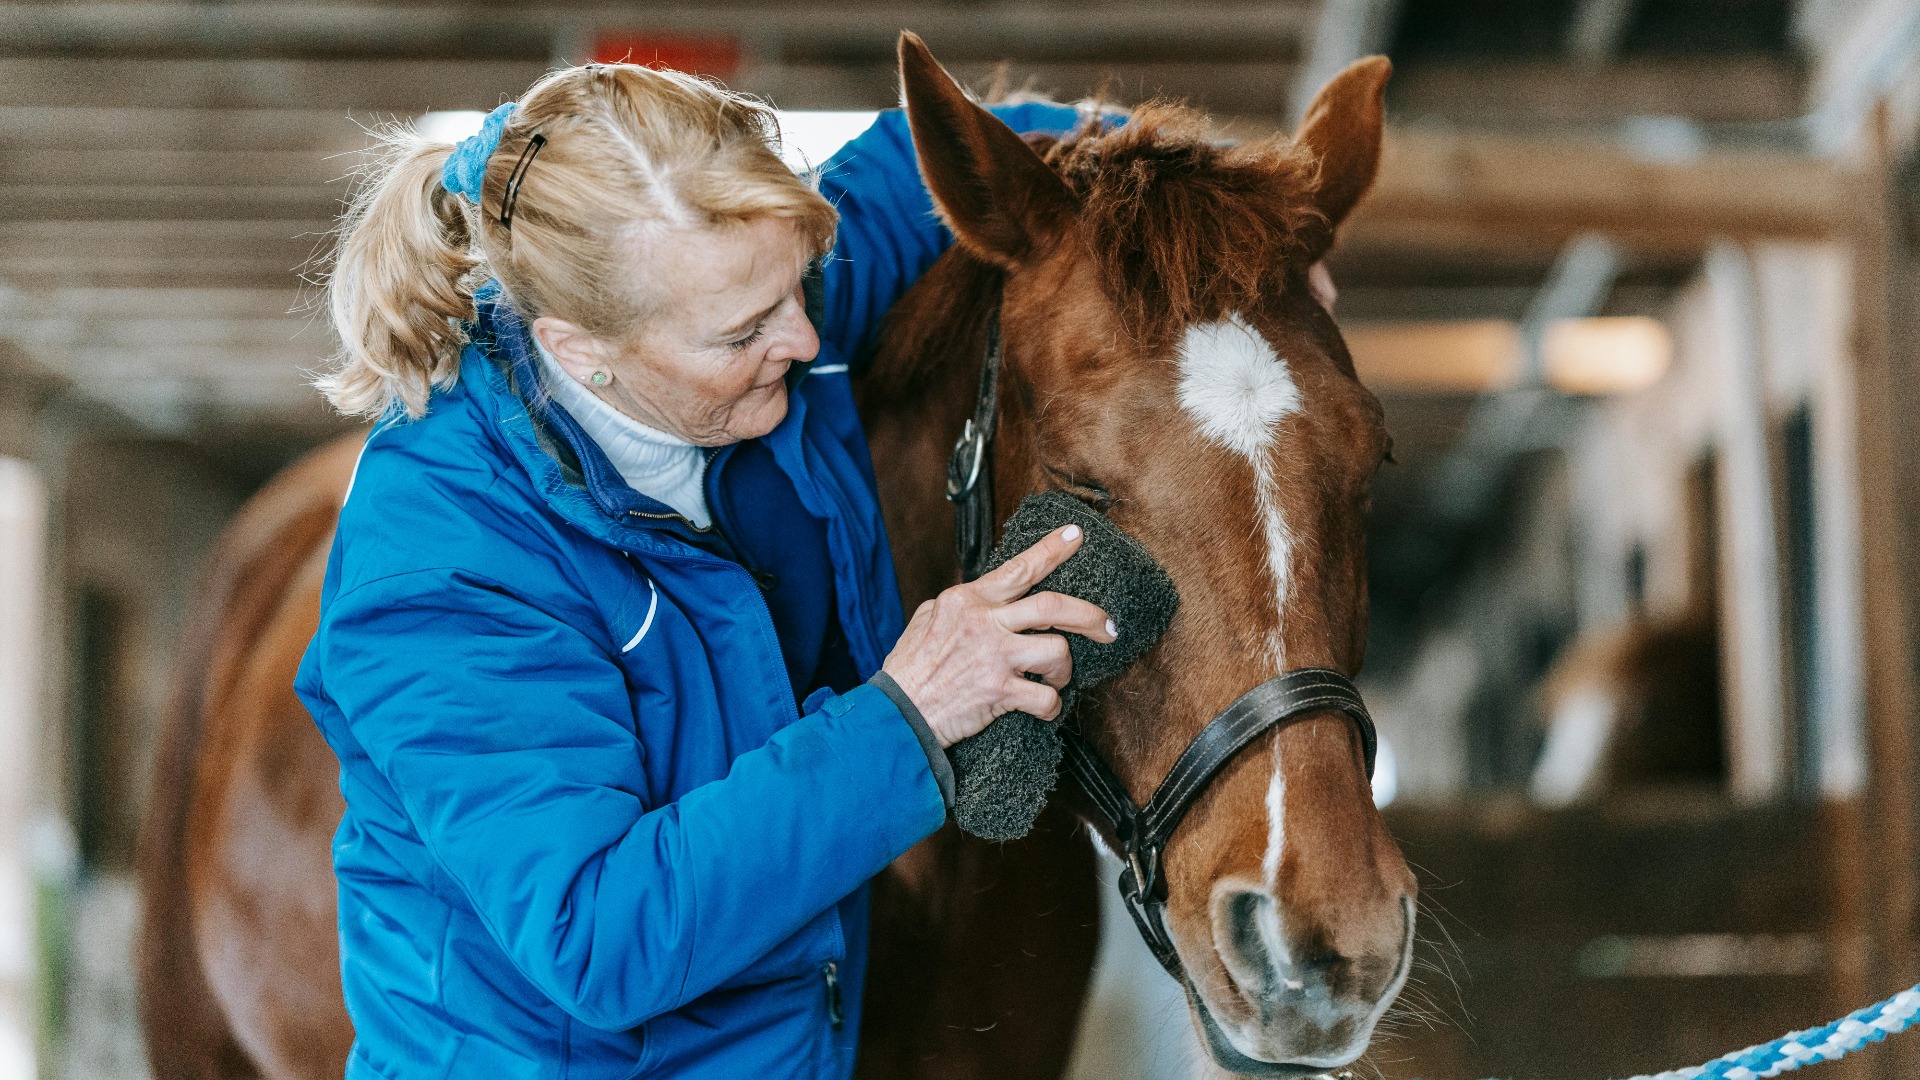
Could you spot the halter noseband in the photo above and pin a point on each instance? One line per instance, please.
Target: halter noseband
(1143, 833)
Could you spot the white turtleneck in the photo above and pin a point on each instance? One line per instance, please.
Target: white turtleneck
(652, 462)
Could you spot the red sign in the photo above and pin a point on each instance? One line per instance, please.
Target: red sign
(715, 56)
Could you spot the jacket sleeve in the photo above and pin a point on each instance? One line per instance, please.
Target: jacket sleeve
(889, 232)
(509, 738)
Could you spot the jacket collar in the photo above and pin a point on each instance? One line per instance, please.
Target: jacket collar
(502, 369)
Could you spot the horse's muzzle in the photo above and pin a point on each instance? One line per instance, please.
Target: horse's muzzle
(1308, 1016)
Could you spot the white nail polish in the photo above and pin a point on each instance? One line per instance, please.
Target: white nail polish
(1112, 630)
(1070, 533)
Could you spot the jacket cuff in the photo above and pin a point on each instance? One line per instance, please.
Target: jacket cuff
(936, 757)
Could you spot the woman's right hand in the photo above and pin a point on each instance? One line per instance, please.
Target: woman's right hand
(963, 659)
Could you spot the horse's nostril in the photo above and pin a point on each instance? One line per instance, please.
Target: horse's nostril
(1273, 964)
(1248, 935)
(1244, 925)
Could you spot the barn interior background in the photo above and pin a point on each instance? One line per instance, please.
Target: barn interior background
(1637, 285)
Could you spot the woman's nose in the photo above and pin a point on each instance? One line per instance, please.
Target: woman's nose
(796, 343)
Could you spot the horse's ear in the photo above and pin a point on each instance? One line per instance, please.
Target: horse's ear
(1342, 128)
(1000, 199)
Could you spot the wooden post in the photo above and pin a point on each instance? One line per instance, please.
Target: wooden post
(1890, 889)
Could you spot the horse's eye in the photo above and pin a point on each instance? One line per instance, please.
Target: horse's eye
(1087, 491)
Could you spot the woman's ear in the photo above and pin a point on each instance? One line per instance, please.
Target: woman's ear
(1000, 199)
(581, 355)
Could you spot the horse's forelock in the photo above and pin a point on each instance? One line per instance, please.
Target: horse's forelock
(1185, 229)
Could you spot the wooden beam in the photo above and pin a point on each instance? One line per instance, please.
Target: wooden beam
(1447, 192)
(129, 202)
(1885, 394)
(257, 371)
(134, 127)
(1468, 356)
(83, 240)
(1226, 87)
(352, 85)
(404, 87)
(217, 339)
(45, 254)
(1556, 93)
(149, 168)
(371, 90)
(1103, 29)
(87, 304)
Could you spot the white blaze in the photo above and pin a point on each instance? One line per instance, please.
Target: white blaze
(1276, 823)
(1237, 390)
(1234, 385)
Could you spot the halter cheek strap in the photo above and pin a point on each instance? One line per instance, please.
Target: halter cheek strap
(970, 468)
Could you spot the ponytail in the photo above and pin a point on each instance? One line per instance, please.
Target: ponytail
(402, 282)
(625, 148)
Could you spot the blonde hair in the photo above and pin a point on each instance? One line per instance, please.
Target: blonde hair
(629, 150)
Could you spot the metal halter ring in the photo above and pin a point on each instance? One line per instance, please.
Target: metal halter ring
(969, 456)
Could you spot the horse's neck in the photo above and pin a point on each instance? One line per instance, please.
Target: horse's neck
(914, 397)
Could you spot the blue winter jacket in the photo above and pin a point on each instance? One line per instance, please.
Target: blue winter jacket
(588, 831)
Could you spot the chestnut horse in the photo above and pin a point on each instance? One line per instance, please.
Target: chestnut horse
(1166, 362)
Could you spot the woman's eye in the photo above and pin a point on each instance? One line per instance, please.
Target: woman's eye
(744, 343)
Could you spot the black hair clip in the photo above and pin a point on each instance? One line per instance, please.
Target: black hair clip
(518, 175)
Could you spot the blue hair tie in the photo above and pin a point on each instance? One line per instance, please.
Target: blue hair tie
(467, 168)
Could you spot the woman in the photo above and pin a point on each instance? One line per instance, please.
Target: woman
(610, 648)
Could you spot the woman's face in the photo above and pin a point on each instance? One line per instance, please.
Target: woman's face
(711, 366)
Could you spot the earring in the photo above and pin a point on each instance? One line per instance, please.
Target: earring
(600, 378)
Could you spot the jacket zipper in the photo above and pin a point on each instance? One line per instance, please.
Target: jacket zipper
(836, 1008)
(681, 518)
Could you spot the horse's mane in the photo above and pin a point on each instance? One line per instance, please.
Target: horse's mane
(1186, 229)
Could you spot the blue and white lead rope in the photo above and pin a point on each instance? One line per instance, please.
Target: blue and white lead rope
(1789, 1052)
(1809, 1047)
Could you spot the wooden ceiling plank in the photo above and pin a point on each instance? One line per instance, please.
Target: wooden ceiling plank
(1227, 87)
(367, 87)
(373, 91)
(166, 168)
(133, 128)
(98, 203)
(161, 334)
(1440, 189)
(1543, 93)
(165, 302)
(394, 30)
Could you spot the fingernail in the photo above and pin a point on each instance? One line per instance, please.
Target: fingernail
(1112, 630)
(1070, 533)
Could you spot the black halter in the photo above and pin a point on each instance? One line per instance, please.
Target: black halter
(1142, 832)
